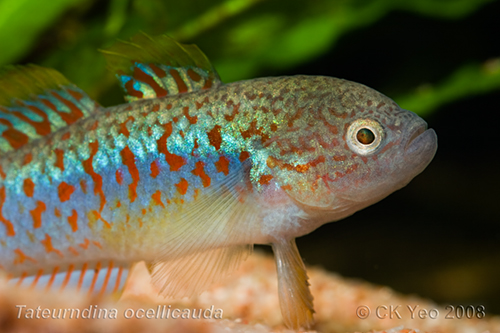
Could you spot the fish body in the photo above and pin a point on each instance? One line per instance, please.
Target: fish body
(191, 172)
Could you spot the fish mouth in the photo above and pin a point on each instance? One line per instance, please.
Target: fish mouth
(421, 148)
(416, 133)
(421, 140)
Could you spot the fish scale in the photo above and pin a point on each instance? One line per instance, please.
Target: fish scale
(190, 173)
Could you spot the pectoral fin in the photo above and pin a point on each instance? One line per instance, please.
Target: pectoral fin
(207, 240)
(296, 301)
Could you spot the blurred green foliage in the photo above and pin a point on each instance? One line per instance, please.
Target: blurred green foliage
(243, 38)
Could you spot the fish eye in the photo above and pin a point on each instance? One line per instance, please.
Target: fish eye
(364, 136)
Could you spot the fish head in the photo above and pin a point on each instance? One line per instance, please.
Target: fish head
(346, 146)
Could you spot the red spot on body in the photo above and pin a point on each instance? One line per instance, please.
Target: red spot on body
(59, 163)
(85, 244)
(119, 176)
(28, 187)
(222, 165)
(297, 115)
(195, 146)
(341, 115)
(236, 108)
(331, 128)
(128, 158)
(57, 212)
(200, 172)
(83, 186)
(155, 169)
(47, 243)
(36, 214)
(182, 186)
(287, 187)
(273, 162)
(27, 158)
(253, 130)
(94, 125)
(65, 136)
(244, 155)
(199, 105)
(387, 146)
(98, 216)
(156, 108)
(169, 106)
(215, 137)
(123, 126)
(351, 169)
(265, 179)
(192, 120)
(2, 174)
(274, 127)
(72, 220)
(97, 178)
(157, 198)
(175, 161)
(339, 158)
(64, 191)
(73, 251)
(21, 257)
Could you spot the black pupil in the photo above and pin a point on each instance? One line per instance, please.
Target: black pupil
(365, 136)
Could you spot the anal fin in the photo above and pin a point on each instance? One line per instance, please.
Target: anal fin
(93, 278)
(296, 301)
(194, 273)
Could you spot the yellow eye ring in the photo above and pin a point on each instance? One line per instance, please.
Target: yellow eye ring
(364, 136)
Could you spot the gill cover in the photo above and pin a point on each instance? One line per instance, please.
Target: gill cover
(301, 169)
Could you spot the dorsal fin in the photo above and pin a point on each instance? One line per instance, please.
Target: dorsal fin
(36, 101)
(151, 67)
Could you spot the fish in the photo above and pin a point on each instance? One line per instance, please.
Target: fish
(190, 173)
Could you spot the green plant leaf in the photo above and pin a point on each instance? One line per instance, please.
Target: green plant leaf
(21, 21)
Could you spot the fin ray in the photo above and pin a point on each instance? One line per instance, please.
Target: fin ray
(210, 234)
(151, 67)
(296, 301)
(92, 278)
(36, 101)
